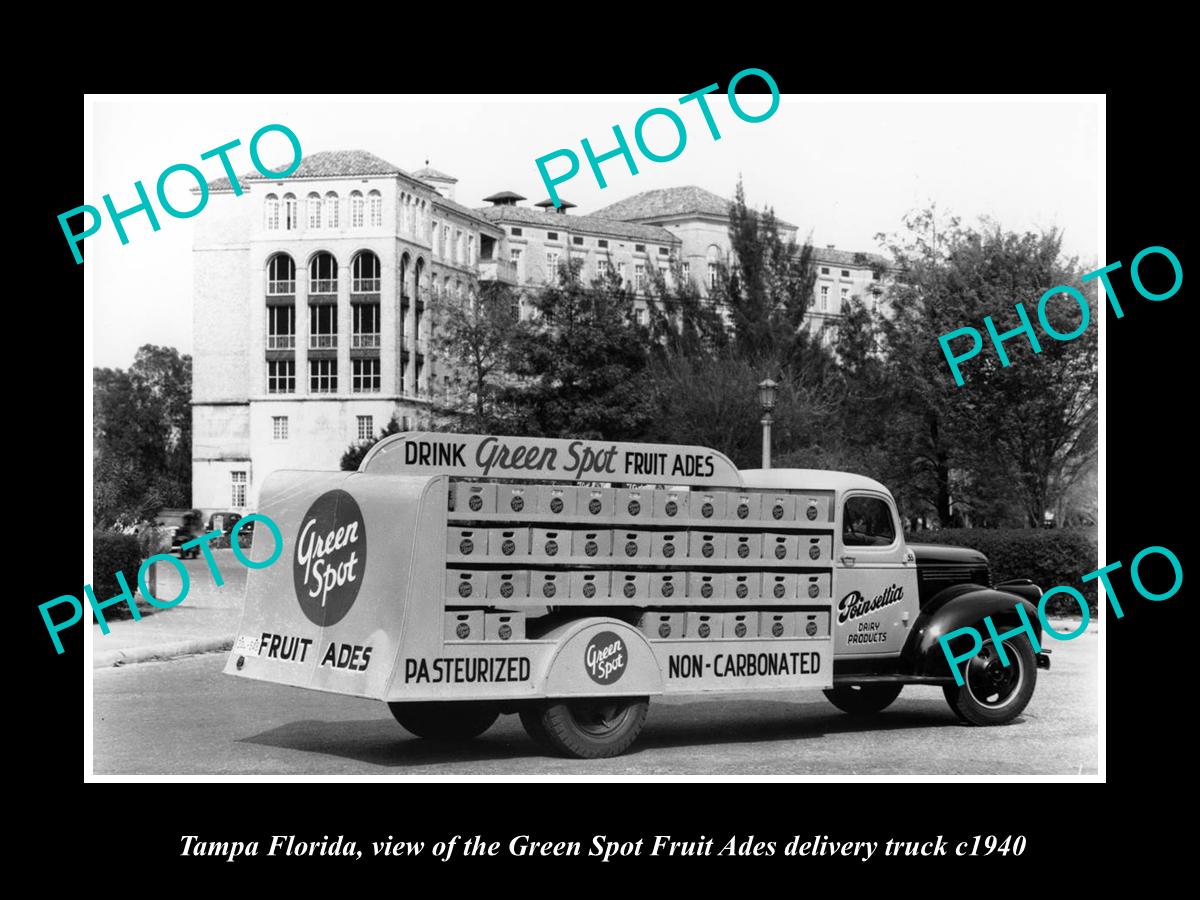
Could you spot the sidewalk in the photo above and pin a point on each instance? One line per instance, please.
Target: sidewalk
(207, 620)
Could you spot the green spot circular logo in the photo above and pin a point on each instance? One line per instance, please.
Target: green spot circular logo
(814, 551)
(706, 510)
(517, 503)
(672, 507)
(556, 505)
(476, 503)
(605, 658)
(812, 512)
(330, 558)
(466, 548)
(551, 548)
(634, 507)
(594, 506)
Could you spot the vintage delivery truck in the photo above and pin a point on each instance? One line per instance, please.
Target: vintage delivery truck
(460, 577)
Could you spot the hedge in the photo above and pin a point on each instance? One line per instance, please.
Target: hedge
(113, 552)
(1047, 556)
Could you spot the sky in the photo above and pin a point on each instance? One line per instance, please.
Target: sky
(842, 169)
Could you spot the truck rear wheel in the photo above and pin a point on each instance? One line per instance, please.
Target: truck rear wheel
(863, 699)
(456, 721)
(592, 728)
(993, 693)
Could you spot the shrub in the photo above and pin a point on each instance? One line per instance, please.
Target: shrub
(1047, 556)
(113, 552)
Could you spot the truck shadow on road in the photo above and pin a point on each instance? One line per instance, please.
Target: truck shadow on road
(381, 742)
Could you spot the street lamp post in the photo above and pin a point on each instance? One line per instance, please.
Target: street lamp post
(766, 399)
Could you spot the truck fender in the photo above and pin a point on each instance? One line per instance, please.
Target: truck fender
(589, 663)
(960, 606)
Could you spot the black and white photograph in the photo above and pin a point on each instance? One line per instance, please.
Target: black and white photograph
(710, 432)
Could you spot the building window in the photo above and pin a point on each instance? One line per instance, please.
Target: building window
(845, 297)
(272, 213)
(824, 270)
(433, 240)
(281, 376)
(366, 327)
(331, 210)
(602, 267)
(639, 248)
(238, 483)
(663, 251)
(281, 275)
(824, 298)
(516, 232)
(457, 249)
(845, 273)
(291, 213)
(712, 276)
(874, 276)
(365, 377)
(552, 235)
(322, 326)
(366, 427)
(375, 202)
(322, 376)
(446, 248)
(621, 272)
(639, 277)
(603, 244)
(640, 315)
(365, 272)
(281, 328)
(322, 274)
(552, 268)
(687, 270)
(577, 241)
(514, 255)
(357, 209)
(314, 210)
(471, 250)
(279, 428)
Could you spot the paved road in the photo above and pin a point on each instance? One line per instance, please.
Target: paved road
(185, 717)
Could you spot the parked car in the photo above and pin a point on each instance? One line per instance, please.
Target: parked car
(187, 524)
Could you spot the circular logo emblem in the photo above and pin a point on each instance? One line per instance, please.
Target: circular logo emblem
(812, 512)
(548, 588)
(706, 510)
(591, 548)
(704, 631)
(631, 548)
(740, 629)
(672, 507)
(466, 548)
(605, 658)
(706, 549)
(811, 628)
(779, 591)
(556, 504)
(551, 548)
(743, 550)
(509, 547)
(594, 505)
(777, 512)
(589, 589)
(517, 503)
(463, 631)
(634, 507)
(814, 551)
(505, 632)
(630, 589)
(664, 630)
(777, 629)
(464, 589)
(780, 551)
(743, 510)
(330, 558)
(706, 590)
(813, 590)
(668, 550)
(506, 589)
(668, 589)
(742, 591)
(475, 503)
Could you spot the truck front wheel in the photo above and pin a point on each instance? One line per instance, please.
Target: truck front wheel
(456, 721)
(863, 699)
(592, 728)
(993, 693)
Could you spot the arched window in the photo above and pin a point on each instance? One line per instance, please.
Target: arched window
(291, 214)
(281, 275)
(314, 210)
(331, 210)
(322, 274)
(357, 208)
(375, 201)
(366, 272)
(272, 213)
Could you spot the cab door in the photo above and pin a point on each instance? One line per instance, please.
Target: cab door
(876, 600)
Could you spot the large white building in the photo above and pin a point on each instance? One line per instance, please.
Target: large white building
(311, 292)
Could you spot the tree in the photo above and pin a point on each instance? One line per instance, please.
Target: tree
(354, 454)
(681, 322)
(142, 436)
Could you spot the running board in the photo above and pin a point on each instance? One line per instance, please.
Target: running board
(893, 679)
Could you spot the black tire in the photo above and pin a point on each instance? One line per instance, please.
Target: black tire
(531, 719)
(994, 694)
(592, 728)
(452, 721)
(863, 699)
